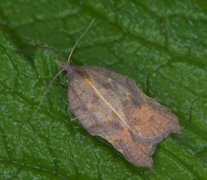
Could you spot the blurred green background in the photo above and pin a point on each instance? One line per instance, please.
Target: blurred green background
(161, 44)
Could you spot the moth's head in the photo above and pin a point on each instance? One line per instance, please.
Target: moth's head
(66, 67)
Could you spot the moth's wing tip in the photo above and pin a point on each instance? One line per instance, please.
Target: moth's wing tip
(177, 130)
(147, 163)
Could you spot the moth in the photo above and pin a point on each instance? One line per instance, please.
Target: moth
(110, 105)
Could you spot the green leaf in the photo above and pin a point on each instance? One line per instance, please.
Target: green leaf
(160, 44)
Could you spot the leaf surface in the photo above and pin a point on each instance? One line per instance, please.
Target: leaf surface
(161, 45)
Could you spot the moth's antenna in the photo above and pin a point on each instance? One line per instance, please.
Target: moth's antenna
(69, 59)
(47, 90)
(82, 35)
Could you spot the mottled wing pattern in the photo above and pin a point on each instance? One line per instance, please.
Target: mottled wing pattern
(110, 105)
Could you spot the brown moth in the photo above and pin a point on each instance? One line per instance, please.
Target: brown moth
(111, 106)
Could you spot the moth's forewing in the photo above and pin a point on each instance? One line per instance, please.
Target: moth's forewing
(110, 105)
